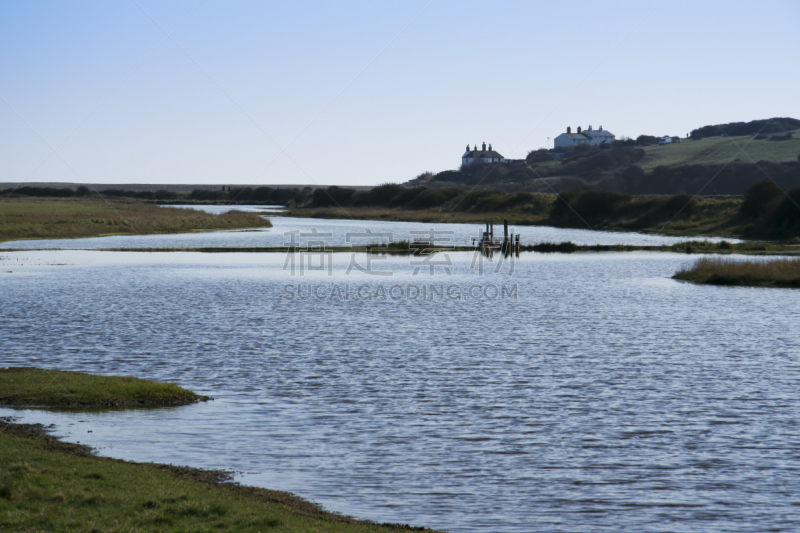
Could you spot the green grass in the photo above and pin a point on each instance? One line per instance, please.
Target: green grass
(48, 485)
(61, 218)
(720, 150)
(783, 272)
(58, 388)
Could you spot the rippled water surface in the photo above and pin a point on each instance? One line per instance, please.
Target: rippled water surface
(599, 396)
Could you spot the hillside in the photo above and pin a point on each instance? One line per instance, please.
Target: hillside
(720, 150)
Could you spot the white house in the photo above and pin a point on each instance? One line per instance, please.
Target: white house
(481, 156)
(589, 137)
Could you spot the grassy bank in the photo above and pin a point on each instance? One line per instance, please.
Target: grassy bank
(784, 272)
(60, 218)
(58, 388)
(48, 485)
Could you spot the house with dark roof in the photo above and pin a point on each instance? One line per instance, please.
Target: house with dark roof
(588, 137)
(481, 156)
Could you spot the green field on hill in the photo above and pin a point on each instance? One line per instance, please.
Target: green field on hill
(720, 150)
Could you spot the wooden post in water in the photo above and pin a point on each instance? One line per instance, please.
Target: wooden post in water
(505, 236)
(517, 244)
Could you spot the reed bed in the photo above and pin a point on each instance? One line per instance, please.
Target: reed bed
(783, 272)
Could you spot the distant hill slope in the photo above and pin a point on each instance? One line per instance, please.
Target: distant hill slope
(720, 150)
(764, 126)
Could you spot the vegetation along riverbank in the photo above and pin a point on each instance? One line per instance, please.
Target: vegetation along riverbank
(61, 218)
(765, 211)
(50, 485)
(406, 248)
(783, 272)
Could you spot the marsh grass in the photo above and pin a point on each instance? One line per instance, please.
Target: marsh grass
(783, 272)
(60, 218)
(58, 388)
(48, 485)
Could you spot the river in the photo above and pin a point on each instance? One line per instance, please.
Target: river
(550, 392)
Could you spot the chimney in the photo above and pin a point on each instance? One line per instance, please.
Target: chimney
(569, 129)
(601, 128)
(590, 127)
(579, 129)
(475, 149)
(483, 149)
(490, 147)
(467, 148)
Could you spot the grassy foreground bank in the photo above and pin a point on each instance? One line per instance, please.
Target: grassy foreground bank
(59, 388)
(784, 272)
(49, 485)
(62, 218)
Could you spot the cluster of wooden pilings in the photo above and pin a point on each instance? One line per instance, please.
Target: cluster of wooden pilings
(509, 245)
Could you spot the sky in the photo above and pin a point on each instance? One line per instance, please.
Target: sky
(366, 92)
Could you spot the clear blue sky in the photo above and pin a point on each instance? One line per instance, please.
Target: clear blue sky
(366, 92)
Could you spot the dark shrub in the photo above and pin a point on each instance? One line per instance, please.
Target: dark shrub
(587, 206)
(263, 194)
(540, 156)
(332, 197)
(280, 196)
(117, 193)
(449, 175)
(663, 210)
(207, 195)
(784, 137)
(381, 195)
(407, 196)
(758, 198)
(481, 201)
(240, 194)
(633, 174)
(624, 142)
(520, 198)
(784, 220)
(161, 194)
(434, 198)
(82, 191)
(43, 192)
(646, 140)
(681, 203)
